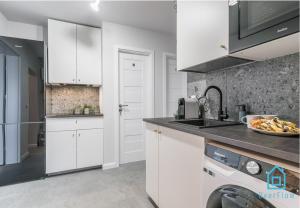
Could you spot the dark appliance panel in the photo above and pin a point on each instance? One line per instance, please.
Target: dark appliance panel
(255, 22)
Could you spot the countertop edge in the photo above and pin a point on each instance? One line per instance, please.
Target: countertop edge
(73, 116)
(293, 157)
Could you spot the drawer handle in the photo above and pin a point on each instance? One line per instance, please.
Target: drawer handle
(79, 134)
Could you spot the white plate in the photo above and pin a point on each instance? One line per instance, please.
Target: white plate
(286, 134)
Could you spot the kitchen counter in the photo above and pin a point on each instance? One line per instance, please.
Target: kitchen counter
(285, 148)
(73, 115)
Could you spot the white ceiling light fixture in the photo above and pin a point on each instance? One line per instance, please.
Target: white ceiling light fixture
(18, 46)
(95, 5)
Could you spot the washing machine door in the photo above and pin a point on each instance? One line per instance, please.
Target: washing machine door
(231, 196)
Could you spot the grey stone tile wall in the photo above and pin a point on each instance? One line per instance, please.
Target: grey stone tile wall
(267, 87)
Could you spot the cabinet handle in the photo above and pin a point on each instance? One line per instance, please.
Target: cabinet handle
(73, 80)
(78, 80)
(79, 134)
(159, 132)
(155, 130)
(73, 135)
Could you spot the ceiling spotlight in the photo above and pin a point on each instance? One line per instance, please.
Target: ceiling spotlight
(18, 46)
(95, 5)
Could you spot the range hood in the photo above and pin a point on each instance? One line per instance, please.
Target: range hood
(218, 64)
(272, 49)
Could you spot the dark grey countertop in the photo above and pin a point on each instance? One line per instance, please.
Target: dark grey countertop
(72, 115)
(285, 148)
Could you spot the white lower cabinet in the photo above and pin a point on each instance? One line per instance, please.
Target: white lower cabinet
(60, 151)
(81, 146)
(174, 167)
(151, 137)
(89, 142)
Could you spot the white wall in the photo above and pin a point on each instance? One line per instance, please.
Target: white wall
(116, 35)
(20, 30)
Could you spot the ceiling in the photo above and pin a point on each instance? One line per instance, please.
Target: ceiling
(152, 15)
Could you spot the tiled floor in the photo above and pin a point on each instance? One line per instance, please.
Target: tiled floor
(122, 187)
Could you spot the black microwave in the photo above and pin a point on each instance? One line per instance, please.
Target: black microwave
(255, 22)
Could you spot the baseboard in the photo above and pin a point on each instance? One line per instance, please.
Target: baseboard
(111, 165)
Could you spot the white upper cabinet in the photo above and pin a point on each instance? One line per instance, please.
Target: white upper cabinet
(88, 55)
(74, 55)
(202, 32)
(61, 52)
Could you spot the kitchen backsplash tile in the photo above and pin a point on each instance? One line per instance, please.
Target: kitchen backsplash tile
(63, 99)
(267, 87)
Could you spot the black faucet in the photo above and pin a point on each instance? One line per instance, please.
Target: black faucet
(221, 115)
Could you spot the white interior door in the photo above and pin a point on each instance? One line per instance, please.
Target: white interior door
(133, 93)
(176, 86)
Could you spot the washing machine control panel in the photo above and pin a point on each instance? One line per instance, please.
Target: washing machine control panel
(253, 167)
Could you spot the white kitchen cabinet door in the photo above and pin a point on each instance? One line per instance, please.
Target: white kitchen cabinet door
(61, 52)
(89, 148)
(60, 151)
(180, 169)
(151, 137)
(202, 32)
(88, 55)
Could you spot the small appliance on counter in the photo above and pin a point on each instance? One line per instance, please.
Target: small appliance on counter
(181, 109)
(187, 109)
(242, 111)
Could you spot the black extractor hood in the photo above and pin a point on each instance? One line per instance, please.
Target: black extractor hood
(217, 64)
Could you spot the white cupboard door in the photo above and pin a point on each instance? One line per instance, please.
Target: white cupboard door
(202, 32)
(88, 55)
(180, 169)
(61, 52)
(151, 137)
(89, 148)
(60, 151)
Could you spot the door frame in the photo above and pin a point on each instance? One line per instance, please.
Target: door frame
(166, 56)
(136, 51)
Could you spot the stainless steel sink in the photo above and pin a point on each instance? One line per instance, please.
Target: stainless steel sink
(205, 123)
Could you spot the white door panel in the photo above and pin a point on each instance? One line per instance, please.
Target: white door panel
(176, 86)
(133, 78)
(133, 127)
(132, 93)
(131, 146)
(174, 94)
(134, 111)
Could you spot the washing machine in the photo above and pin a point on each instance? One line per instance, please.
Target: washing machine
(233, 180)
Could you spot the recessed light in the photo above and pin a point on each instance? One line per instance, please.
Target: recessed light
(95, 5)
(18, 46)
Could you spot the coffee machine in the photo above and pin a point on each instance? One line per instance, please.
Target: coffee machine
(181, 109)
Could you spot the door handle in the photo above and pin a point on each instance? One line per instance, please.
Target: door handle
(121, 107)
